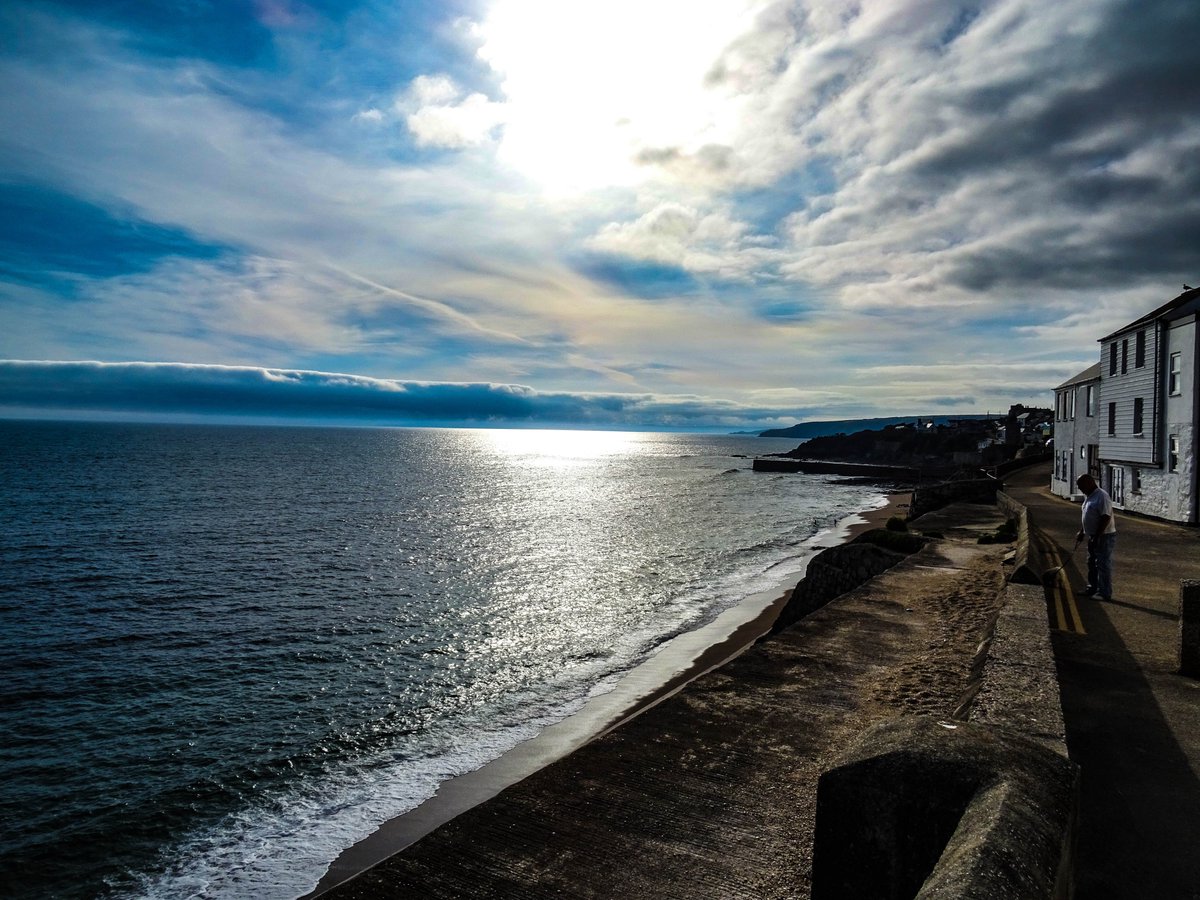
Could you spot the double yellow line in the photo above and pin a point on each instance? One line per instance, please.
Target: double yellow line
(1066, 613)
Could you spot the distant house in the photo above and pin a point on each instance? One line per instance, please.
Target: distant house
(1148, 414)
(1076, 431)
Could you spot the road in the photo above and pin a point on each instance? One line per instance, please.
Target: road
(1133, 723)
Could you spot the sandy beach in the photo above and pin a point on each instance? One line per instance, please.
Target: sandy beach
(681, 662)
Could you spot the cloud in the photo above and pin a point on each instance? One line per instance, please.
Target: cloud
(233, 391)
(1030, 150)
(977, 155)
(784, 194)
(430, 90)
(682, 236)
(440, 115)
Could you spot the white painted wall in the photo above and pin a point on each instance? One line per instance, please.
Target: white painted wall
(1164, 494)
(1071, 435)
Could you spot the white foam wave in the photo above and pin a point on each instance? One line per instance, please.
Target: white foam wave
(279, 849)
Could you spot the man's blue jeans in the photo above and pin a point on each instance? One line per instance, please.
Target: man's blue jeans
(1100, 563)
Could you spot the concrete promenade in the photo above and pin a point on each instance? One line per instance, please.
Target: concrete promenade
(1133, 724)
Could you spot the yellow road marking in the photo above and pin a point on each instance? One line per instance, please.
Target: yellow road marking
(1064, 597)
(1071, 604)
(1059, 612)
(1060, 615)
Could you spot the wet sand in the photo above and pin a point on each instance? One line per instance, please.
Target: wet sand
(681, 661)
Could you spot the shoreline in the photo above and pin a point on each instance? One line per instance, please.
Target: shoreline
(680, 661)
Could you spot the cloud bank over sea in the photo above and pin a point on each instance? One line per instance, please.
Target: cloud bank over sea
(233, 392)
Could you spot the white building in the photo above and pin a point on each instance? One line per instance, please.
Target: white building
(1149, 410)
(1076, 431)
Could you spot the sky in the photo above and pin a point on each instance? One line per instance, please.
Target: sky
(677, 213)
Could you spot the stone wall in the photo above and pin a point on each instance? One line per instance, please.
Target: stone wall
(1028, 566)
(923, 809)
(833, 572)
(927, 498)
(1163, 494)
(1017, 685)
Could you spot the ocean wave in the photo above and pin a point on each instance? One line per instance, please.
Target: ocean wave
(280, 847)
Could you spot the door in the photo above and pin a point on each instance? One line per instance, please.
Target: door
(1116, 484)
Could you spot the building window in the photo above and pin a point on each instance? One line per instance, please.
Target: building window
(1139, 350)
(1124, 356)
(1173, 453)
(1112, 358)
(1112, 418)
(1071, 403)
(1091, 400)
(1137, 415)
(1175, 375)
(1135, 481)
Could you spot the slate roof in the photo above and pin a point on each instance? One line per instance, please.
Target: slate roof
(1091, 373)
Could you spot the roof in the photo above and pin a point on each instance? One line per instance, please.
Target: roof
(1178, 305)
(1091, 373)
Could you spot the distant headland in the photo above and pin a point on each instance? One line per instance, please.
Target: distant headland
(847, 426)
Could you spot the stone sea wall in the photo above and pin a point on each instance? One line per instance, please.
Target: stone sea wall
(836, 570)
(929, 497)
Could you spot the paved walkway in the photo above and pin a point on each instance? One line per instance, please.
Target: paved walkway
(1133, 725)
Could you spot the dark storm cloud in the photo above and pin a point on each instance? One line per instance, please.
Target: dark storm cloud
(1101, 143)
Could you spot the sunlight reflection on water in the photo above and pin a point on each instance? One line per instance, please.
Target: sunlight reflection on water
(546, 447)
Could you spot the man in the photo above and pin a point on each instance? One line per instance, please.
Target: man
(1100, 529)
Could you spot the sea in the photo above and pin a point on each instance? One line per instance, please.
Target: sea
(229, 652)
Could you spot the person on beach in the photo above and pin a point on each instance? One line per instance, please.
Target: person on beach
(1100, 529)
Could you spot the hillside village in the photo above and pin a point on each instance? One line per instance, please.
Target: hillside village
(924, 444)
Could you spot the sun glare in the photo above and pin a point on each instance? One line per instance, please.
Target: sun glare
(589, 86)
(560, 448)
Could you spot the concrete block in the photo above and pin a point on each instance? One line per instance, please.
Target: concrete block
(1189, 628)
(927, 809)
(1019, 680)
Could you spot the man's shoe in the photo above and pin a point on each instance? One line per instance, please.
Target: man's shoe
(1105, 599)
(1088, 591)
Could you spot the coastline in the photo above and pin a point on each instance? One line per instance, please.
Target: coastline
(679, 662)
